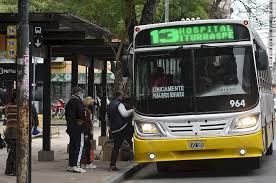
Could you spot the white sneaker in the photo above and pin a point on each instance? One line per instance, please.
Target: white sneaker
(91, 166)
(78, 170)
(70, 169)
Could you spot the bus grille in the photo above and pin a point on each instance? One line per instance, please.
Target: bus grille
(197, 128)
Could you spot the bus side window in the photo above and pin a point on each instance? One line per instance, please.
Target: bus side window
(261, 58)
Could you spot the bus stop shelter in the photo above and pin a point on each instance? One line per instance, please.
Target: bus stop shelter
(64, 35)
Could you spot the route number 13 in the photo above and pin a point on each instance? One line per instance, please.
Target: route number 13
(237, 103)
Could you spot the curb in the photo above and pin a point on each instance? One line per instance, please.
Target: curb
(126, 173)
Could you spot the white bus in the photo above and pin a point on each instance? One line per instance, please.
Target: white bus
(203, 90)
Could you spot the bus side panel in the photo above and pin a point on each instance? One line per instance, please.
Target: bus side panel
(267, 118)
(270, 132)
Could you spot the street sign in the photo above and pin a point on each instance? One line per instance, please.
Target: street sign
(11, 48)
(38, 41)
(38, 30)
(7, 72)
(11, 30)
(11, 44)
(37, 60)
(11, 53)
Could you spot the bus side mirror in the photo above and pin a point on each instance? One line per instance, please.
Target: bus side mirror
(262, 61)
(127, 65)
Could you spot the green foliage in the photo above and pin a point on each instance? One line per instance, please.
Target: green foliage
(112, 14)
(46, 5)
(8, 6)
(188, 9)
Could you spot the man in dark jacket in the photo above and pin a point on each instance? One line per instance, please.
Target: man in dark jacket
(75, 116)
(117, 115)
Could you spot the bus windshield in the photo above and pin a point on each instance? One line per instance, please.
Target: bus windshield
(196, 80)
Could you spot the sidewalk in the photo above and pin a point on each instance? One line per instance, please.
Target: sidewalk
(55, 171)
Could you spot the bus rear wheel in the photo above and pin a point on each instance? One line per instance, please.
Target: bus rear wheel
(269, 151)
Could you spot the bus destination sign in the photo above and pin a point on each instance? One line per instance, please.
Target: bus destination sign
(192, 34)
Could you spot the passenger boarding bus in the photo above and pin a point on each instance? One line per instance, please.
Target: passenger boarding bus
(203, 90)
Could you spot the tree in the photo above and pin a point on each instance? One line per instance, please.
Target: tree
(119, 16)
(147, 17)
(257, 11)
(149, 11)
(189, 9)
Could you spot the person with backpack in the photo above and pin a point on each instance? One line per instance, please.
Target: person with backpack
(118, 122)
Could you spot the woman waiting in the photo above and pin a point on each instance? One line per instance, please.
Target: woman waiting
(88, 102)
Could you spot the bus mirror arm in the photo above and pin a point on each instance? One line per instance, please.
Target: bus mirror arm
(127, 60)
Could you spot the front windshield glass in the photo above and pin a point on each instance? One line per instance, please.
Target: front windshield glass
(189, 81)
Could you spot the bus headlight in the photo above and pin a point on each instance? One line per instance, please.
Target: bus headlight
(147, 128)
(246, 122)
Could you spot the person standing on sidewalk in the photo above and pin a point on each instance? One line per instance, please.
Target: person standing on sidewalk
(117, 115)
(88, 136)
(75, 117)
(11, 134)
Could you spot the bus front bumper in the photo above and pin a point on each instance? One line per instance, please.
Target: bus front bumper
(214, 148)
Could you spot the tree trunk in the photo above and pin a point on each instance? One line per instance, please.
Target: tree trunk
(22, 145)
(149, 11)
(216, 12)
(147, 18)
(119, 83)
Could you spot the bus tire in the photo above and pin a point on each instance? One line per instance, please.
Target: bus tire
(162, 167)
(254, 163)
(269, 151)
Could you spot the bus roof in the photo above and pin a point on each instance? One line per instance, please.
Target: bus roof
(193, 22)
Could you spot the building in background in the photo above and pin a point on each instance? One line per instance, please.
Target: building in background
(61, 79)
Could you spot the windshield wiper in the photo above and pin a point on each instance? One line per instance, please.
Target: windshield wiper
(217, 46)
(168, 53)
(175, 50)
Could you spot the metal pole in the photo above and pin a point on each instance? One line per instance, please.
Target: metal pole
(22, 144)
(34, 83)
(103, 99)
(86, 81)
(47, 103)
(74, 72)
(91, 79)
(167, 10)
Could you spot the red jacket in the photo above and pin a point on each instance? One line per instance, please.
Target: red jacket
(88, 121)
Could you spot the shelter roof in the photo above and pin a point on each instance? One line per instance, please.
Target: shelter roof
(59, 22)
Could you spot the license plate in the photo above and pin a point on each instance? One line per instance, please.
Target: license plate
(196, 145)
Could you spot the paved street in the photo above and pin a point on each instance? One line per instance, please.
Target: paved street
(211, 172)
